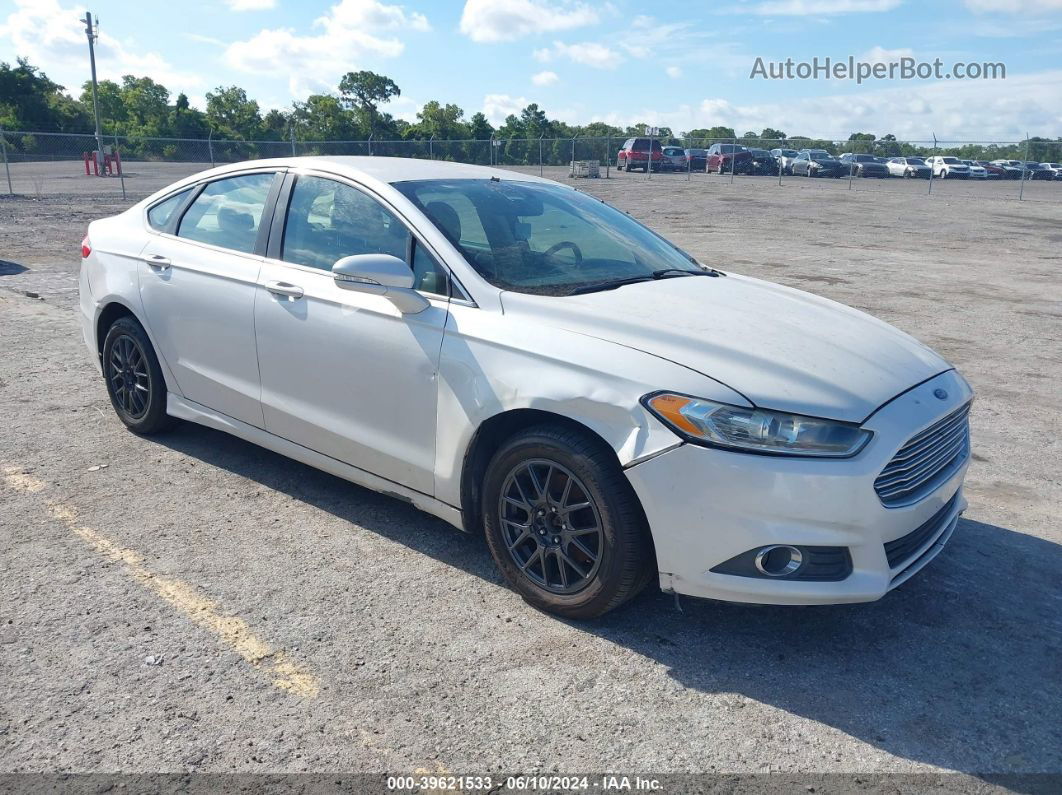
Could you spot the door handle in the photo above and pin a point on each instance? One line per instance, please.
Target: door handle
(158, 262)
(292, 291)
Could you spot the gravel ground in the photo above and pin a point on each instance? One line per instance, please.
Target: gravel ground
(193, 603)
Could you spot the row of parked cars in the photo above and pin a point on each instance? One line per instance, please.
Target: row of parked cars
(642, 154)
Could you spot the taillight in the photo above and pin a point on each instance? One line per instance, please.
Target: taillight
(85, 248)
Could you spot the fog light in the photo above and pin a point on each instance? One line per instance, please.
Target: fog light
(789, 562)
(779, 560)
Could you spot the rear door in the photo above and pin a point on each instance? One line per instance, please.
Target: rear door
(198, 280)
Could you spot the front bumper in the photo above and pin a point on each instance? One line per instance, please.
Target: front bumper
(706, 506)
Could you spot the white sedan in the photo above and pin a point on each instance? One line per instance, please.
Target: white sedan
(523, 360)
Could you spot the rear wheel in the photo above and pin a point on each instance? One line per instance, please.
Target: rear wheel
(134, 379)
(563, 524)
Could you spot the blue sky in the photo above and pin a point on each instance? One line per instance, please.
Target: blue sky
(681, 64)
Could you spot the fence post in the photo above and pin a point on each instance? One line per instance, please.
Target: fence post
(689, 160)
(608, 155)
(210, 147)
(733, 161)
(573, 157)
(293, 140)
(930, 191)
(431, 147)
(7, 168)
(1024, 166)
(369, 142)
(491, 142)
(540, 154)
(121, 171)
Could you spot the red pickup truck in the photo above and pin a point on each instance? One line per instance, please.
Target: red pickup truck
(636, 153)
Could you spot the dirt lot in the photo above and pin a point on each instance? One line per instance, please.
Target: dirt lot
(191, 602)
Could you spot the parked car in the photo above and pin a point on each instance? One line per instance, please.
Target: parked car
(993, 171)
(640, 153)
(786, 157)
(865, 165)
(908, 167)
(1038, 171)
(674, 159)
(977, 171)
(1056, 167)
(1012, 169)
(698, 159)
(948, 167)
(416, 327)
(817, 163)
(763, 162)
(727, 158)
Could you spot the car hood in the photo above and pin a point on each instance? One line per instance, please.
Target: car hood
(781, 348)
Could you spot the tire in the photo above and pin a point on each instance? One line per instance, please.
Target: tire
(134, 380)
(529, 547)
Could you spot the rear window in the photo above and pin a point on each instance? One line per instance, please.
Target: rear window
(159, 216)
(642, 145)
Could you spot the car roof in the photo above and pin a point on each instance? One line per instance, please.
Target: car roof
(378, 170)
(383, 168)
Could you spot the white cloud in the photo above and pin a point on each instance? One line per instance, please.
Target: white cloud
(250, 5)
(879, 54)
(1014, 6)
(822, 7)
(497, 106)
(673, 72)
(348, 32)
(52, 38)
(587, 53)
(544, 78)
(973, 110)
(508, 20)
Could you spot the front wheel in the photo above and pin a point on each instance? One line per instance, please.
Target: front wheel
(134, 379)
(563, 524)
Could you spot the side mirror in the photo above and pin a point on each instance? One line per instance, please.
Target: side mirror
(380, 274)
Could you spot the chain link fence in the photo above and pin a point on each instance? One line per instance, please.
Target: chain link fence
(37, 164)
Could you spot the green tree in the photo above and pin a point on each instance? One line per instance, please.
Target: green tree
(31, 101)
(367, 91)
(479, 128)
(702, 133)
(322, 117)
(146, 103)
(231, 114)
(109, 98)
(442, 121)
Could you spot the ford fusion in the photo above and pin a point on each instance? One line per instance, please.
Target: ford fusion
(523, 360)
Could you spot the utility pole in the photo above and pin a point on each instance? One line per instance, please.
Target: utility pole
(92, 33)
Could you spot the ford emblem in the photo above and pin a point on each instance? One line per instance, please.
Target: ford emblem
(940, 394)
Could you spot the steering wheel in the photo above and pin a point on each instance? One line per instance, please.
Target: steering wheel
(548, 253)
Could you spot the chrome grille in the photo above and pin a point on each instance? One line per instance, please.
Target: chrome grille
(926, 460)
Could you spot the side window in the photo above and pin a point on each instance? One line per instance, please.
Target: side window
(227, 212)
(159, 216)
(327, 221)
(428, 275)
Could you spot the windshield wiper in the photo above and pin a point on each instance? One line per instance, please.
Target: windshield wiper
(663, 273)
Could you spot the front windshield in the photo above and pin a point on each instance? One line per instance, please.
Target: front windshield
(540, 238)
(950, 160)
(915, 161)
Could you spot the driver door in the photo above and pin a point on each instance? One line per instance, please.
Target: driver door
(345, 373)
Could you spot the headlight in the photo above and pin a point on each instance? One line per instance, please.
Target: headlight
(755, 430)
